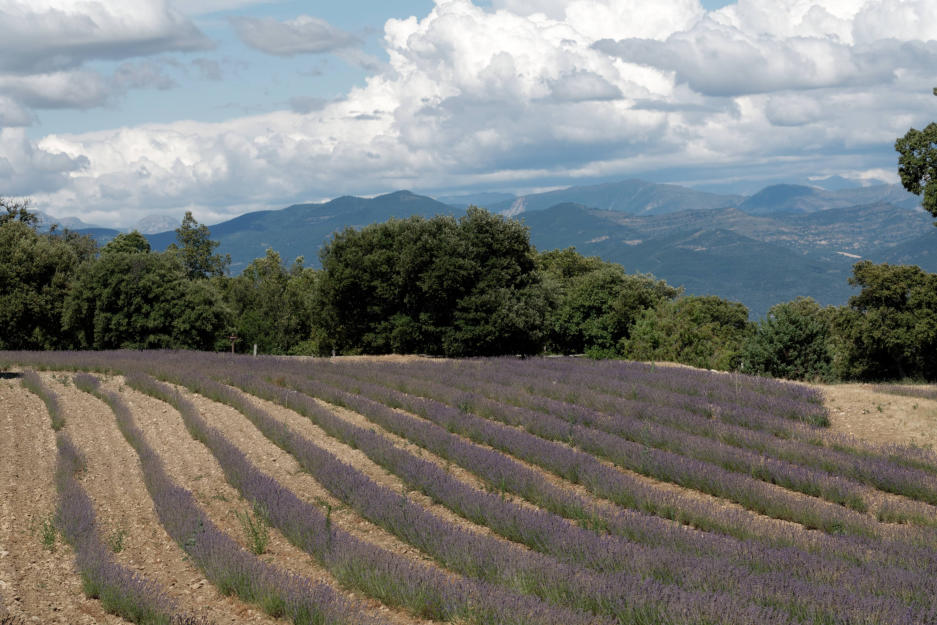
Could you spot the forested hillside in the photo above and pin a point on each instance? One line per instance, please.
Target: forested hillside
(467, 286)
(780, 243)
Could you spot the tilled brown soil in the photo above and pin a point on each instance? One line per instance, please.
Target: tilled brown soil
(114, 481)
(37, 584)
(40, 585)
(360, 461)
(191, 465)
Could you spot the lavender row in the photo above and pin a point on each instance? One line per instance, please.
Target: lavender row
(224, 563)
(772, 579)
(32, 382)
(737, 411)
(618, 594)
(793, 418)
(649, 433)
(685, 509)
(609, 483)
(570, 383)
(704, 439)
(427, 591)
(897, 469)
(875, 470)
(503, 473)
(856, 547)
(120, 590)
(751, 494)
(539, 531)
(794, 401)
(786, 405)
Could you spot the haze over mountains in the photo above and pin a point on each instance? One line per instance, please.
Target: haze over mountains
(782, 242)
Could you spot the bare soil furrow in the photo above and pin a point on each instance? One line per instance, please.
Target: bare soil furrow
(461, 473)
(192, 466)
(668, 490)
(360, 461)
(125, 512)
(37, 584)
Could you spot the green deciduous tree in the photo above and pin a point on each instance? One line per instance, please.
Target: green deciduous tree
(595, 302)
(793, 341)
(35, 272)
(197, 250)
(705, 331)
(439, 286)
(917, 164)
(889, 330)
(272, 305)
(129, 243)
(142, 300)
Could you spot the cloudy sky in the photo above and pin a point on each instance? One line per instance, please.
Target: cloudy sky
(112, 110)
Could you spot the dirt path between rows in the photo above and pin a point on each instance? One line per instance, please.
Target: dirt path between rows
(125, 512)
(360, 461)
(668, 490)
(37, 584)
(191, 465)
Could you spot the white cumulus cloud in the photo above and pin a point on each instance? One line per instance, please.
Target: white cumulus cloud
(26, 168)
(302, 35)
(531, 91)
(45, 46)
(38, 36)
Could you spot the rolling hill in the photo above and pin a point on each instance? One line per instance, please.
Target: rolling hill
(784, 241)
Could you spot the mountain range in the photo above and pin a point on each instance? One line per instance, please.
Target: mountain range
(782, 242)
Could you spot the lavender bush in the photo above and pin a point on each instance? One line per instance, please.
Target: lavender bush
(627, 565)
(229, 567)
(33, 383)
(120, 590)
(391, 578)
(655, 422)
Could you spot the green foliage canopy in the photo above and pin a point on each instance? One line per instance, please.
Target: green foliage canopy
(142, 300)
(438, 286)
(595, 302)
(889, 330)
(272, 305)
(127, 243)
(702, 331)
(794, 341)
(35, 273)
(917, 164)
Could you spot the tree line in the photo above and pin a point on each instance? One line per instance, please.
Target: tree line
(472, 286)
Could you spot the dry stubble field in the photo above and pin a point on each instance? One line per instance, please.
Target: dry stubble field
(483, 491)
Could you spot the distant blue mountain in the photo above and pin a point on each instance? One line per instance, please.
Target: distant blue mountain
(784, 241)
(630, 196)
(790, 198)
(476, 199)
(302, 229)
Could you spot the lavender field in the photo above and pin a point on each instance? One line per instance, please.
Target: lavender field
(509, 491)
